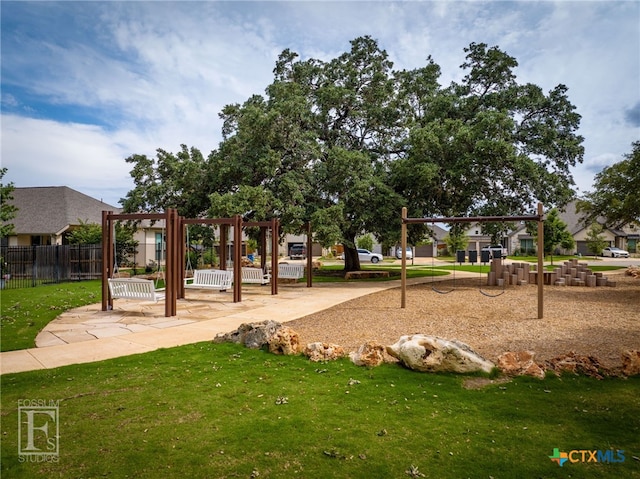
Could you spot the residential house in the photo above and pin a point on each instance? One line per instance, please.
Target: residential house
(625, 236)
(47, 215)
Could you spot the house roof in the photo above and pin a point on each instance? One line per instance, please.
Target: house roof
(573, 219)
(52, 209)
(437, 232)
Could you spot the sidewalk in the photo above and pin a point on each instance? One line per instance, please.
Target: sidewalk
(87, 334)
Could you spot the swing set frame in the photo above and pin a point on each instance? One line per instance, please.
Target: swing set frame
(539, 218)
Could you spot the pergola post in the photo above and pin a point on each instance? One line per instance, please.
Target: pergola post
(309, 256)
(237, 258)
(403, 274)
(107, 263)
(275, 252)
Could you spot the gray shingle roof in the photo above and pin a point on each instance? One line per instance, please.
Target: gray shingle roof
(51, 209)
(572, 218)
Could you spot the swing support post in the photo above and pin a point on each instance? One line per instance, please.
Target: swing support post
(107, 260)
(403, 274)
(539, 218)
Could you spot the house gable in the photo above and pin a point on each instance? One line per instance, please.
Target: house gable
(52, 210)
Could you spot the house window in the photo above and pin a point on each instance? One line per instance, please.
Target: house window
(526, 245)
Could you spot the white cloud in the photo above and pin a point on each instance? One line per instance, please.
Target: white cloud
(157, 74)
(84, 157)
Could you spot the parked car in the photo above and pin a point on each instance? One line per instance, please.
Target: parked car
(409, 252)
(615, 252)
(497, 251)
(298, 251)
(366, 255)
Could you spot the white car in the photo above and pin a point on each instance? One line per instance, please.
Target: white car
(409, 252)
(366, 255)
(615, 252)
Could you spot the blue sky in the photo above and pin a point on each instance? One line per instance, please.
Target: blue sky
(87, 84)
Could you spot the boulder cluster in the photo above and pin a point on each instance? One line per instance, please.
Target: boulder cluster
(421, 352)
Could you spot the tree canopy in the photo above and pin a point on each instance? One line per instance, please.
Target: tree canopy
(8, 211)
(616, 194)
(345, 143)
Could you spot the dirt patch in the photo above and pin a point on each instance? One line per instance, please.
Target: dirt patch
(601, 322)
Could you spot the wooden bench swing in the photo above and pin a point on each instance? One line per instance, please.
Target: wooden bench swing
(210, 279)
(135, 288)
(290, 271)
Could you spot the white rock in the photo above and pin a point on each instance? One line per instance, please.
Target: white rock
(432, 354)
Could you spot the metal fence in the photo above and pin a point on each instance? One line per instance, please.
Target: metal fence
(29, 266)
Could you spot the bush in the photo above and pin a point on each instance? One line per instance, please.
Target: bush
(210, 257)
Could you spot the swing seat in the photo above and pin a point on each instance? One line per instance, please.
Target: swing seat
(290, 271)
(134, 288)
(255, 275)
(210, 279)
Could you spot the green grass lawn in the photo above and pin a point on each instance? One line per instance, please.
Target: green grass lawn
(26, 311)
(221, 411)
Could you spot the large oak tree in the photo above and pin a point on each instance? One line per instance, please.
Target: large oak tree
(345, 143)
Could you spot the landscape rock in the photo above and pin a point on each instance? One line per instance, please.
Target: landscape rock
(631, 363)
(633, 271)
(421, 352)
(520, 363)
(577, 364)
(252, 335)
(318, 352)
(370, 354)
(285, 341)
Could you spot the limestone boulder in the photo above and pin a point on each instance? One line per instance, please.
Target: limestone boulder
(520, 363)
(578, 364)
(318, 352)
(421, 352)
(285, 341)
(252, 335)
(631, 363)
(370, 355)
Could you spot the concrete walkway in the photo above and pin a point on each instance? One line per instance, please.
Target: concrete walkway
(87, 334)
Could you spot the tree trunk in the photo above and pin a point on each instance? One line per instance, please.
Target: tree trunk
(351, 259)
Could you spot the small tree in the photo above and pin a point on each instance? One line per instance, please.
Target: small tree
(555, 233)
(595, 241)
(86, 233)
(365, 242)
(456, 239)
(7, 211)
